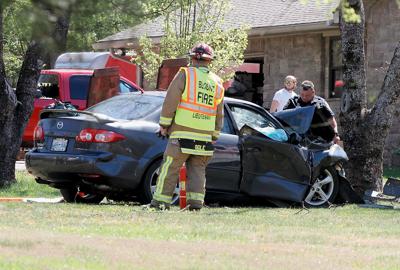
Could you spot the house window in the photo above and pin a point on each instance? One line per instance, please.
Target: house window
(336, 69)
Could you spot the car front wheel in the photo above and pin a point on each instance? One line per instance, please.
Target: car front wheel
(72, 195)
(149, 184)
(325, 189)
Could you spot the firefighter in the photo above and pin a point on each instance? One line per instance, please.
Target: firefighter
(192, 117)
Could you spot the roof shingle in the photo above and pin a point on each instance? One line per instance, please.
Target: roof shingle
(254, 13)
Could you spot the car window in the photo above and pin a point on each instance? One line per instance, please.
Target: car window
(129, 106)
(79, 86)
(48, 85)
(253, 118)
(126, 88)
(227, 127)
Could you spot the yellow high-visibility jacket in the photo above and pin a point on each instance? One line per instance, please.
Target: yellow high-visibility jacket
(193, 107)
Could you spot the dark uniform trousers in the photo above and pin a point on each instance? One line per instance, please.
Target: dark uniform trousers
(169, 175)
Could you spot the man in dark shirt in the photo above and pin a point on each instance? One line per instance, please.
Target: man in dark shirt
(324, 123)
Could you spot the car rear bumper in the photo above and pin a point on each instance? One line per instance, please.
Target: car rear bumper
(113, 170)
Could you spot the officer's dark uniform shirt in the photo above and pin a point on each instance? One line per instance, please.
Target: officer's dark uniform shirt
(319, 125)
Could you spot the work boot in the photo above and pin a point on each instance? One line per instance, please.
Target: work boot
(158, 206)
(195, 205)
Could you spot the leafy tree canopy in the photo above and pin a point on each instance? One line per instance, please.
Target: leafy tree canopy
(188, 22)
(90, 20)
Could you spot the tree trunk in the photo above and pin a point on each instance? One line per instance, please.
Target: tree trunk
(364, 131)
(15, 108)
(59, 28)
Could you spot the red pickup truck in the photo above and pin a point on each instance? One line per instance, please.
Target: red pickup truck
(70, 85)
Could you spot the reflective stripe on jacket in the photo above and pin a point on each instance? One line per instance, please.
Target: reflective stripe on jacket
(198, 105)
(173, 100)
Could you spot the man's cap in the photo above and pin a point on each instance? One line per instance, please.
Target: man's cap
(307, 85)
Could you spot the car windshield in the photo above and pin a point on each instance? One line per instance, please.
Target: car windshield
(129, 106)
(258, 121)
(254, 119)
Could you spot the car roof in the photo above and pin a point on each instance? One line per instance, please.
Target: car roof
(163, 93)
(70, 71)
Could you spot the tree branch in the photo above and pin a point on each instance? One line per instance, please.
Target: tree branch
(383, 110)
(155, 13)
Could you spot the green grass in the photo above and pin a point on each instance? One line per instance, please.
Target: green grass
(26, 186)
(123, 236)
(391, 172)
(65, 236)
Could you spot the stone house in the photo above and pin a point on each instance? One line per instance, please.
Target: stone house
(303, 39)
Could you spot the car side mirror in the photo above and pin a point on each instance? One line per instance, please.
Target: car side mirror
(245, 131)
(294, 138)
(37, 93)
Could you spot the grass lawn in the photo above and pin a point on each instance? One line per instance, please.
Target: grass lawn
(27, 187)
(391, 172)
(120, 236)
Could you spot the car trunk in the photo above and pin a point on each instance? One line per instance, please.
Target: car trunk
(60, 133)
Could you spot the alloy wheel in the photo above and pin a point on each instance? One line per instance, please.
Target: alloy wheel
(322, 190)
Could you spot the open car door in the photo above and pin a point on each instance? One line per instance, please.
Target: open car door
(104, 84)
(168, 70)
(273, 169)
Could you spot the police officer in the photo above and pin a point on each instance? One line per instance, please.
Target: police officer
(323, 123)
(192, 117)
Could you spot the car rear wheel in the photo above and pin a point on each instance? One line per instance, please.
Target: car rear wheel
(72, 195)
(325, 189)
(149, 185)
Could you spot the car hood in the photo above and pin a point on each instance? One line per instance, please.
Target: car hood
(297, 120)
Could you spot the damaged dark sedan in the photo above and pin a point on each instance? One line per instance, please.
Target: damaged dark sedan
(112, 150)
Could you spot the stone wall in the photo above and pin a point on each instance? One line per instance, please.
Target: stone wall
(383, 34)
(298, 55)
(304, 55)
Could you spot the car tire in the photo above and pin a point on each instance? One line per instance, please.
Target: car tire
(325, 189)
(71, 195)
(148, 185)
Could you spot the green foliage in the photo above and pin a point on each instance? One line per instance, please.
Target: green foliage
(16, 33)
(190, 22)
(349, 14)
(93, 20)
(90, 20)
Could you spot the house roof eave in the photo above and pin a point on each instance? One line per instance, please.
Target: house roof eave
(253, 32)
(291, 29)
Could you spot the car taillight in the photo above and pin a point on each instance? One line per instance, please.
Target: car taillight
(38, 134)
(99, 136)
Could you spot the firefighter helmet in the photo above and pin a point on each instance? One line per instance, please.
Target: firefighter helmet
(202, 51)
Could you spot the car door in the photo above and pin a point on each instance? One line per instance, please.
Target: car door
(271, 167)
(223, 171)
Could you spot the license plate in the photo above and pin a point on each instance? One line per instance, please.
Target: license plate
(59, 144)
